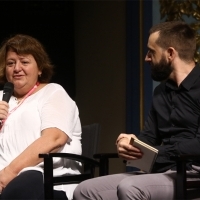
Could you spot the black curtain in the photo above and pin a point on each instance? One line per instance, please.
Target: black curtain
(51, 22)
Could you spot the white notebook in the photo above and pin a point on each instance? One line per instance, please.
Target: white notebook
(149, 156)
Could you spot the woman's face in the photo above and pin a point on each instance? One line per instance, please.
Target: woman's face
(21, 70)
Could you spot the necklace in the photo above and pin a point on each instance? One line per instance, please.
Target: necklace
(19, 103)
(18, 99)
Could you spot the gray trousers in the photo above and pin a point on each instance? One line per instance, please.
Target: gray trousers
(132, 186)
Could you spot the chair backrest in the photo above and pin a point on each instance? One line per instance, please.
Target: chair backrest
(90, 139)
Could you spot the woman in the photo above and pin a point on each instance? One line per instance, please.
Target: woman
(39, 118)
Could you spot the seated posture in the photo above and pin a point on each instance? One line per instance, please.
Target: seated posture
(40, 117)
(172, 125)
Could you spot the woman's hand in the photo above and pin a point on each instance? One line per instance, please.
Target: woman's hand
(6, 175)
(3, 110)
(125, 149)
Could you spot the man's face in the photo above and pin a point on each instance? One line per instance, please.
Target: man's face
(160, 67)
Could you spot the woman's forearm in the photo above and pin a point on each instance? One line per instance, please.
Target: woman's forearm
(52, 140)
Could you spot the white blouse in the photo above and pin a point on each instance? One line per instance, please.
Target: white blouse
(49, 107)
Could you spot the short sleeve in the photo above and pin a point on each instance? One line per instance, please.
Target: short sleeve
(59, 110)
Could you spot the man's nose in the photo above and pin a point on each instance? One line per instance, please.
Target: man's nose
(147, 57)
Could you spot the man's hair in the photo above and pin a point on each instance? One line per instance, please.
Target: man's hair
(176, 34)
(24, 45)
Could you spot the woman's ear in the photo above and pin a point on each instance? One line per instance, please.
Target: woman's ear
(39, 73)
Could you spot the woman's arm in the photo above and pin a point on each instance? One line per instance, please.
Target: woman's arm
(51, 140)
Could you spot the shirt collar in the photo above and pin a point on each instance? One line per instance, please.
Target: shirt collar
(188, 82)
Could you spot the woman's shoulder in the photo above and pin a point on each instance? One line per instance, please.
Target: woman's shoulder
(52, 87)
(52, 91)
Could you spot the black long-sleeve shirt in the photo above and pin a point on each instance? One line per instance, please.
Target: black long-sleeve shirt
(173, 123)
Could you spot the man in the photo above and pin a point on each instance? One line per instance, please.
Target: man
(173, 123)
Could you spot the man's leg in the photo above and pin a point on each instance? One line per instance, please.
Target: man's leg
(128, 186)
(148, 186)
(104, 187)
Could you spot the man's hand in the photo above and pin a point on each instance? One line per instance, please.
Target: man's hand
(126, 150)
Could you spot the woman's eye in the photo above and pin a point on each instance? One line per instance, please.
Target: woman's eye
(9, 64)
(25, 62)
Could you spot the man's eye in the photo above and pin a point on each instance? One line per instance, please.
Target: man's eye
(151, 52)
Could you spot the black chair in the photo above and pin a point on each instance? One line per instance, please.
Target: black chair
(90, 138)
(186, 185)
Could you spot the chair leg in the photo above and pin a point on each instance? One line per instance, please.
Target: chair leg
(48, 178)
(181, 192)
(104, 166)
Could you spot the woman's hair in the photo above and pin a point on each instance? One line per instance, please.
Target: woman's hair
(24, 45)
(176, 34)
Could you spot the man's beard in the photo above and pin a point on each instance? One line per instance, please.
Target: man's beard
(161, 71)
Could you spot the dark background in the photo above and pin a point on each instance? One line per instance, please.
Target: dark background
(95, 45)
(51, 22)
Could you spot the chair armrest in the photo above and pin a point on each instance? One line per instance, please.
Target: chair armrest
(49, 180)
(105, 155)
(104, 162)
(70, 156)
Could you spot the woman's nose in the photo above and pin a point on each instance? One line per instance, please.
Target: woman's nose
(17, 66)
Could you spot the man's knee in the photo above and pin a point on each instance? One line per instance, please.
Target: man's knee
(81, 191)
(127, 190)
(77, 192)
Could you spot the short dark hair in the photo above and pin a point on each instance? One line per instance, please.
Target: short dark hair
(22, 45)
(179, 35)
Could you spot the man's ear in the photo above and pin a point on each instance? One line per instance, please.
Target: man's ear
(171, 53)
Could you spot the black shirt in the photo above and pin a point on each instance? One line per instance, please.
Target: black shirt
(173, 123)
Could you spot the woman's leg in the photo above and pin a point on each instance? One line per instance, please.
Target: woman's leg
(128, 186)
(28, 185)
